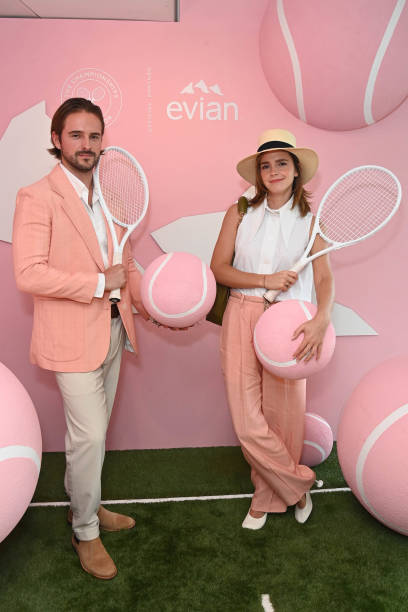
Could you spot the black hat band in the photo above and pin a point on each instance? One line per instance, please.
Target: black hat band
(275, 144)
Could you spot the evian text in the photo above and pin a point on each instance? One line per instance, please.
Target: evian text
(212, 111)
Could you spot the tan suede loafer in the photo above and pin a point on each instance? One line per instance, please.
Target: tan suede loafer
(110, 521)
(94, 558)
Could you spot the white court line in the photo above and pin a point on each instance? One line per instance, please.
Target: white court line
(339, 490)
(160, 500)
(266, 603)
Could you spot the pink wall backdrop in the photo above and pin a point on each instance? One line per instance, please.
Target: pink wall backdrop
(172, 395)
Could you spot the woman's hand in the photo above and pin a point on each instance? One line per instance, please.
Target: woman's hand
(313, 335)
(280, 281)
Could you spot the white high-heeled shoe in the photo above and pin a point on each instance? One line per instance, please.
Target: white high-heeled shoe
(302, 514)
(250, 522)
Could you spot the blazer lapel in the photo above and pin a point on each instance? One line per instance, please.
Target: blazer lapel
(77, 213)
(110, 242)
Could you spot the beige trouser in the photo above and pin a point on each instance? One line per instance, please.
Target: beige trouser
(88, 399)
(267, 412)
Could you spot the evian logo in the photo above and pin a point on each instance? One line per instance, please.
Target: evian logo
(203, 108)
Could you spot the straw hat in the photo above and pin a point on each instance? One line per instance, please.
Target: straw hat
(276, 140)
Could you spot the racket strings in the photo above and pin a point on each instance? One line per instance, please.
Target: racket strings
(359, 204)
(122, 187)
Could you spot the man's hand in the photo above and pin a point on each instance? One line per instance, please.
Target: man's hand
(115, 277)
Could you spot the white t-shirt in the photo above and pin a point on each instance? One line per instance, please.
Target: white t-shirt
(268, 241)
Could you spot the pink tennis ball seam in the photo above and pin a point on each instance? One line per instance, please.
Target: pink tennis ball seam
(178, 289)
(318, 440)
(361, 80)
(371, 443)
(20, 450)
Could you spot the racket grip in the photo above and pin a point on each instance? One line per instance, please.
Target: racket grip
(114, 295)
(272, 294)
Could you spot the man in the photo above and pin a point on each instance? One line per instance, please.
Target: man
(62, 252)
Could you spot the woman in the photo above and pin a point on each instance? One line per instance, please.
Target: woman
(254, 253)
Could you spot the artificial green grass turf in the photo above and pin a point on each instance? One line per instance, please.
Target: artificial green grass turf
(194, 556)
(170, 473)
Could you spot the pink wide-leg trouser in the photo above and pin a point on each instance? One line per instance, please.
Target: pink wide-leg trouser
(267, 411)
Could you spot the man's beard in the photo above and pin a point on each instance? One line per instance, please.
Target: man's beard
(81, 165)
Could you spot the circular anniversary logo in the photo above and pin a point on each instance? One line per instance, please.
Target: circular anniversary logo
(97, 86)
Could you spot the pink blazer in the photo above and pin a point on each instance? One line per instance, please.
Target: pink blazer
(57, 259)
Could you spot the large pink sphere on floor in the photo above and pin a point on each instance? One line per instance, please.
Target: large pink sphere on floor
(273, 342)
(372, 443)
(318, 440)
(178, 289)
(336, 65)
(20, 450)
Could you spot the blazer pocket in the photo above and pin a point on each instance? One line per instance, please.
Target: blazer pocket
(60, 329)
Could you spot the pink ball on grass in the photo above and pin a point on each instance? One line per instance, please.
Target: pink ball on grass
(20, 450)
(372, 443)
(178, 289)
(318, 440)
(274, 345)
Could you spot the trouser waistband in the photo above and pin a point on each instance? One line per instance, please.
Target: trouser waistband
(242, 297)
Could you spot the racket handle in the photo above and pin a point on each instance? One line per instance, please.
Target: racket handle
(114, 295)
(272, 294)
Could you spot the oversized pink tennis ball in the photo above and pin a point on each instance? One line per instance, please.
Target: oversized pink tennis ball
(20, 450)
(372, 443)
(318, 440)
(274, 345)
(336, 65)
(178, 289)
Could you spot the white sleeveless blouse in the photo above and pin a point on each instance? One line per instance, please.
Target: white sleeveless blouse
(268, 241)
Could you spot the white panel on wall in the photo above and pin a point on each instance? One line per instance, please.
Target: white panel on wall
(15, 8)
(196, 234)
(348, 323)
(30, 161)
(138, 10)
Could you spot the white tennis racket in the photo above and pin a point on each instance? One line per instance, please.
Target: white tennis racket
(123, 192)
(354, 208)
